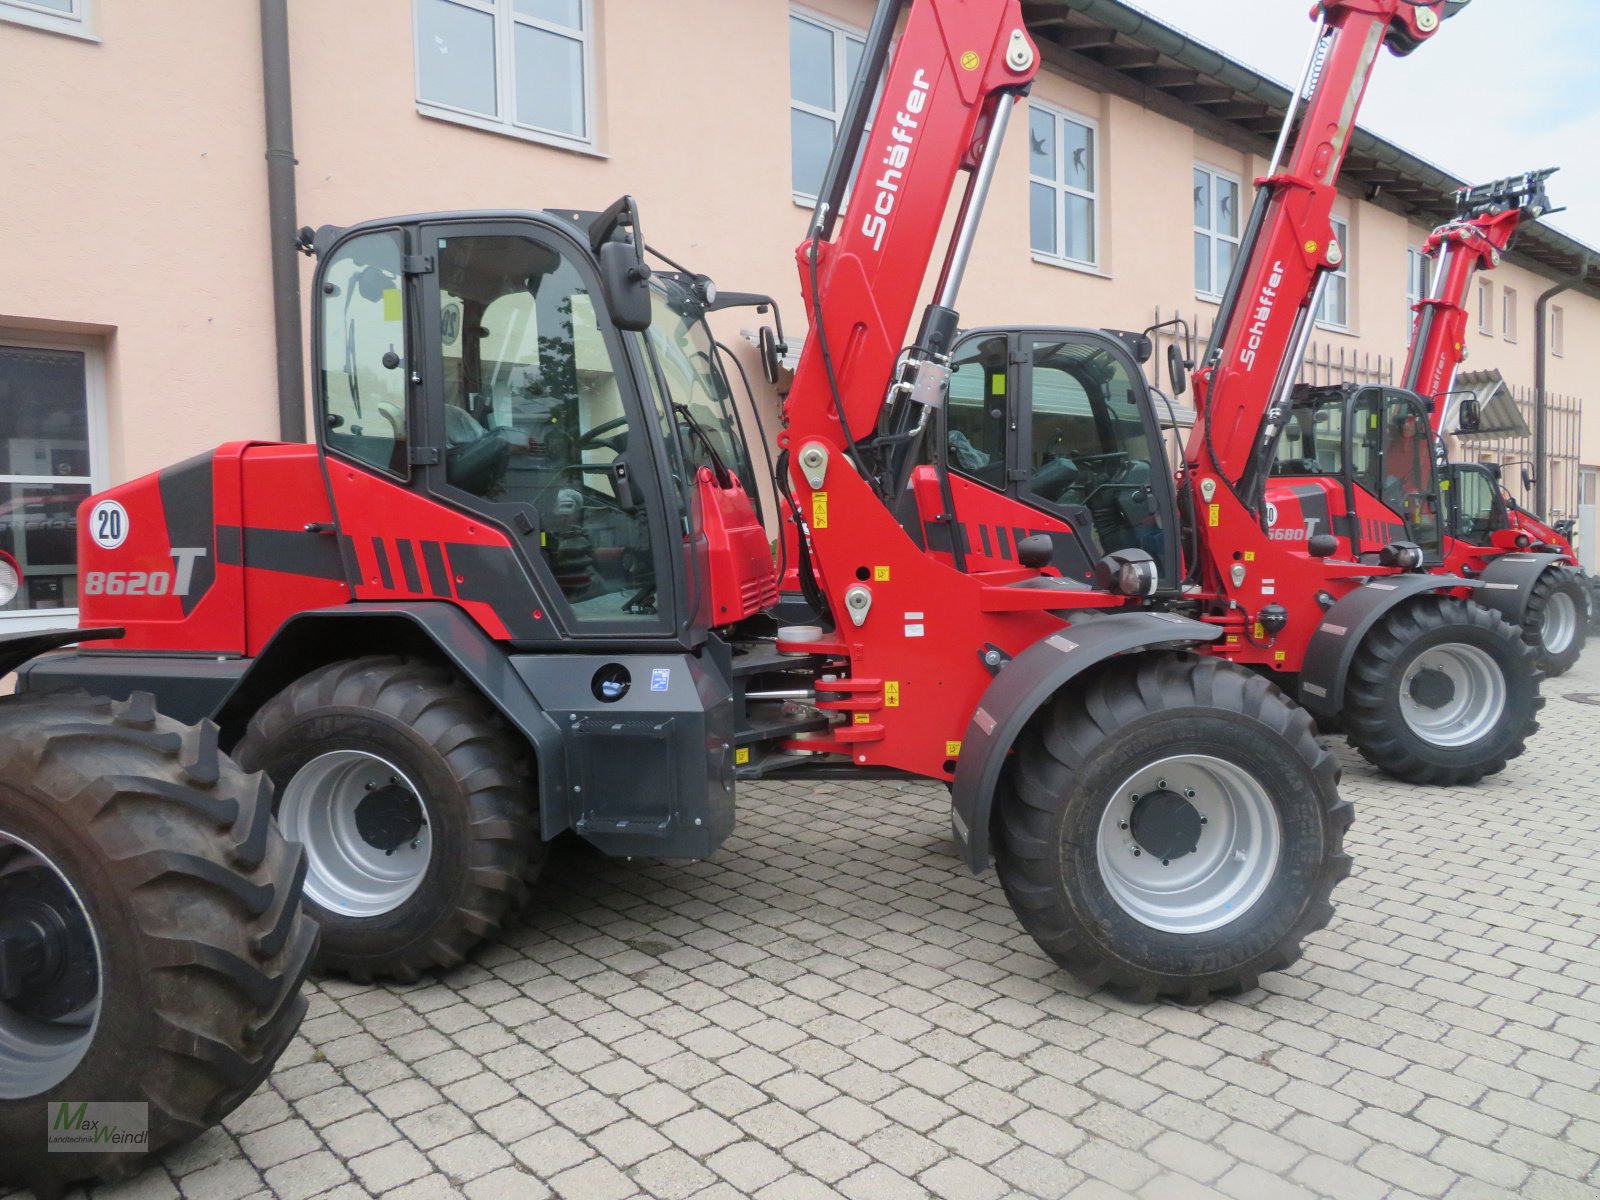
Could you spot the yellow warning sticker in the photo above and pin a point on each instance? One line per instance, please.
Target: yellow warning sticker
(1233, 639)
(970, 61)
(1249, 556)
(997, 385)
(1215, 518)
(1311, 247)
(392, 309)
(741, 755)
(952, 749)
(891, 693)
(863, 719)
(819, 510)
(1259, 632)
(880, 574)
(1278, 657)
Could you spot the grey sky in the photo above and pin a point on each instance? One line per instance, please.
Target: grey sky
(1504, 87)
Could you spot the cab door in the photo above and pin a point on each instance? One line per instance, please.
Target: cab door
(1089, 448)
(537, 424)
(1476, 509)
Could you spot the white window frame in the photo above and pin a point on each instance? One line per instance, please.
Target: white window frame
(506, 19)
(1486, 306)
(840, 34)
(1419, 283)
(1558, 331)
(1342, 271)
(78, 23)
(1062, 189)
(1508, 314)
(1219, 281)
(98, 479)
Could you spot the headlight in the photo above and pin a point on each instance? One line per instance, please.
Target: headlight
(1405, 555)
(1127, 573)
(10, 578)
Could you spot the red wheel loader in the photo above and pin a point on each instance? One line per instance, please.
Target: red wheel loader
(1528, 569)
(519, 587)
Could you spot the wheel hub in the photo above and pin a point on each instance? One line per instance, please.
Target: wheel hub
(47, 960)
(1165, 825)
(365, 828)
(1453, 694)
(389, 817)
(1432, 688)
(1188, 843)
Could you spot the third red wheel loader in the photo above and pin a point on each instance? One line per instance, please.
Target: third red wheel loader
(1304, 521)
(518, 586)
(1529, 571)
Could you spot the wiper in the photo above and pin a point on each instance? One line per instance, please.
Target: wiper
(718, 467)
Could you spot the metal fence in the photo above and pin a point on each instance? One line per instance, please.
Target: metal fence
(1563, 417)
(1327, 363)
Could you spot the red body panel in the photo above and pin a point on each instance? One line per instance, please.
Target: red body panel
(741, 575)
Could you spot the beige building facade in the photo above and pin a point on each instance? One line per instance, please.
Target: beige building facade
(136, 300)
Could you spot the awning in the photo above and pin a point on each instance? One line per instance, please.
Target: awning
(1499, 414)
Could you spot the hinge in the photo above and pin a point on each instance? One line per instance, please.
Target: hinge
(424, 456)
(418, 264)
(1016, 476)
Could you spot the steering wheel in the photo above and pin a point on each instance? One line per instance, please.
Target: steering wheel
(595, 437)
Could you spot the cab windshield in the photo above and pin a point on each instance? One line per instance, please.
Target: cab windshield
(697, 390)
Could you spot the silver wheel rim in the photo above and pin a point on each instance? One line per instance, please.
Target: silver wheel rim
(1560, 623)
(1234, 858)
(347, 872)
(1452, 695)
(37, 1054)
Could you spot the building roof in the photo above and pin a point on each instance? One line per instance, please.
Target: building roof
(1116, 47)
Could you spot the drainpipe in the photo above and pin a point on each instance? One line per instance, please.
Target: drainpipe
(1541, 364)
(281, 219)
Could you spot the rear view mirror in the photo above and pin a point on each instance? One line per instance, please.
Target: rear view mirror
(1177, 370)
(1468, 419)
(627, 283)
(771, 362)
(1527, 479)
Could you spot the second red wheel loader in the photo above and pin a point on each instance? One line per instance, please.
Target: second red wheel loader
(1304, 521)
(518, 586)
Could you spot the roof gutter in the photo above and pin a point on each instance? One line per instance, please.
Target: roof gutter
(281, 226)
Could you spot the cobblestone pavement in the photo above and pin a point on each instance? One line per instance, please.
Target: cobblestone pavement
(833, 1005)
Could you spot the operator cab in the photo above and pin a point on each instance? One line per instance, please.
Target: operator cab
(1477, 506)
(1060, 420)
(490, 362)
(1361, 463)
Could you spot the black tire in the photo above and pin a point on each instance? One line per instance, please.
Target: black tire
(473, 778)
(1378, 727)
(1555, 585)
(192, 899)
(1070, 765)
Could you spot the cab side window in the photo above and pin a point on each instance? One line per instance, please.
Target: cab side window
(1366, 441)
(975, 434)
(364, 359)
(1476, 502)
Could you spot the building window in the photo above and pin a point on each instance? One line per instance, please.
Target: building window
(823, 61)
(1485, 306)
(1419, 275)
(1062, 187)
(1508, 314)
(1558, 331)
(71, 17)
(52, 416)
(523, 67)
(1335, 310)
(1216, 230)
